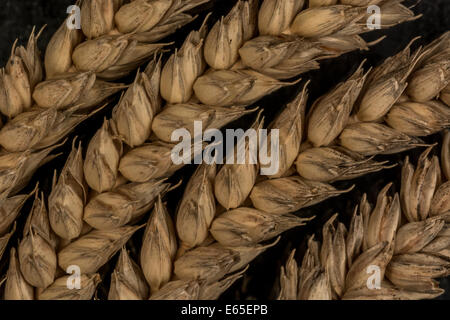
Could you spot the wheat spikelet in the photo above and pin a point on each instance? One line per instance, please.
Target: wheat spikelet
(233, 182)
(127, 280)
(59, 289)
(23, 71)
(197, 207)
(159, 246)
(16, 287)
(94, 249)
(36, 250)
(68, 197)
(5, 239)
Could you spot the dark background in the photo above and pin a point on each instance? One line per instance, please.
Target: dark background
(17, 18)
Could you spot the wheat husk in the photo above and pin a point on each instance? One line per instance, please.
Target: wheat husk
(328, 164)
(174, 18)
(94, 249)
(134, 114)
(197, 207)
(18, 168)
(68, 197)
(284, 195)
(445, 154)
(127, 280)
(159, 246)
(221, 49)
(5, 239)
(102, 158)
(248, 226)
(290, 123)
(385, 85)
(112, 56)
(178, 290)
(275, 16)
(16, 287)
(148, 161)
(323, 21)
(419, 185)
(23, 71)
(64, 90)
(419, 119)
(140, 16)
(330, 113)
(248, 253)
(440, 205)
(433, 76)
(374, 138)
(36, 250)
(97, 17)
(207, 264)
(235, 87)
(10, 209)
(123, 205)
(183, 67)
(40, 128)
(445, 95)
(182, 116)
(59, 289)
(283, 57)
(58, 55)
(233, 182)
(212, 291)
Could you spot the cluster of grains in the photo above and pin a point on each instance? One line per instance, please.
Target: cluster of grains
(226, 213)
(404, 238)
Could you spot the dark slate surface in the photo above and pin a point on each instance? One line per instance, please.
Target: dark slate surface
(17, 19)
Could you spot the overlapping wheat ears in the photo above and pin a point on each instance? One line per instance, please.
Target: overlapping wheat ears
(226, 212)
